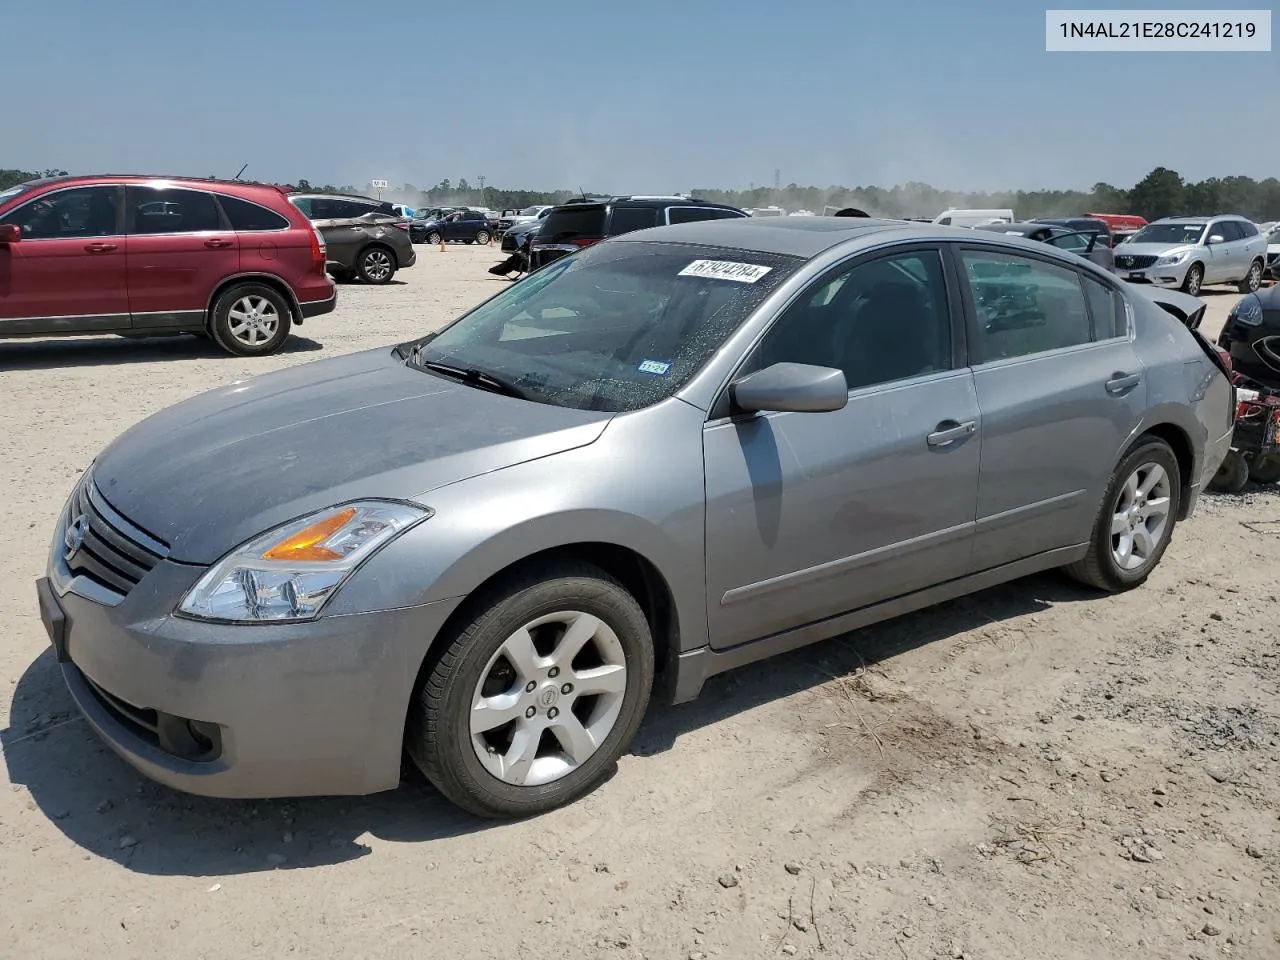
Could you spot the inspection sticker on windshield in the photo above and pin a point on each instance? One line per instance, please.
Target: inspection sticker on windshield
(654, 366)
(725, 270)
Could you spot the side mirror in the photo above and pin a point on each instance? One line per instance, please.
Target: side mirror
(1217, 238)
(791, 388)
(10, 233)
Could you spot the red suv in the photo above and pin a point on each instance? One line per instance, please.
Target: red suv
(142, 256)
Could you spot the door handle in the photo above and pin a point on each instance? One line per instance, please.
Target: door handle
(217, 243)
(949, 431)
(1122, 383)
(100, 247)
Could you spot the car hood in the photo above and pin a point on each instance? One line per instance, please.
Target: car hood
(1148, 249)
(209, 473)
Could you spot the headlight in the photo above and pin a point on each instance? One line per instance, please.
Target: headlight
(1248, 311)
(1173, 259)
(289, 573)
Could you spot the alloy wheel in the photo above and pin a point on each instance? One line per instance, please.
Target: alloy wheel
(1141, 517)
(377, 265)
(548, 698)
(253, 320)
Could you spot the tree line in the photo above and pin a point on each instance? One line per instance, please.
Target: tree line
(1161, 193)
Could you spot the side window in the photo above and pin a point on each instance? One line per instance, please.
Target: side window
(1024, 306)
(626, 219)
(878, 321)
(246, 216)
(1075, 242)
(68, 215)
(1247, 230)
(155, 210)
(1226, 229)
(693, 214)
(1107, 308)
(304, 204)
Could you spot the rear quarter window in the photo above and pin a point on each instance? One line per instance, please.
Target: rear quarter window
(628, 219)
(246, 216)
(574, 221)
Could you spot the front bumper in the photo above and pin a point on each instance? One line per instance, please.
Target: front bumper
(1167, 277)
(306, 709)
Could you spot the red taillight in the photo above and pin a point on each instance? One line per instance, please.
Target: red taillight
(318, 247)
(1226, 357)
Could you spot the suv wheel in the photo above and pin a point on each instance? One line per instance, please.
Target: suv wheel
(529, 704)
(1194, 280)
(250, 320)
(1253, 279)
(483, 237)
(1136, 521)
(376, 265)
(434, 238)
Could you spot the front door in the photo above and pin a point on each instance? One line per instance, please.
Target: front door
(179, 251)
(1061, 389)
(810, 515)
(67, 273)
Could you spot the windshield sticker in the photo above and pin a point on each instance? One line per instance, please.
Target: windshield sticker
(725, 270)
(654, 366)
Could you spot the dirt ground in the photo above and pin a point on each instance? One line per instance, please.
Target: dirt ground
(1034, 771)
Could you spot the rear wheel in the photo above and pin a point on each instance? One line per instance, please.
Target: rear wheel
(250, 320)
(433, 238)
(1194, 280)
(376, 265)
(1136, 521)
(483, 237)
(1265, 469)
(529, 705)
(1253, 279)
(1232, 474)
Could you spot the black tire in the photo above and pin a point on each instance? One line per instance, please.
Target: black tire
(222, 327)
(483, 237)
(1252, 280)
(1194, 280)
(1264, 469)
(1232, 474)
(1099, 568)
(438, 736)
(434, 238)
(376, 265)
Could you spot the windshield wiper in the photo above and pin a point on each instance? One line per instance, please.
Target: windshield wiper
(477, 378)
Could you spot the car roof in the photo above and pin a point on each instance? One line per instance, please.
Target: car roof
(794, 236)
(1019, 225)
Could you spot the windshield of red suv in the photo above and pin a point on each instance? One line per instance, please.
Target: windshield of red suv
(616, 327)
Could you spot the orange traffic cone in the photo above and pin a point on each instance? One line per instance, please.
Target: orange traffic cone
(443, 248)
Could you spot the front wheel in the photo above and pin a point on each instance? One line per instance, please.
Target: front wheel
(434, 238)
(1136, 521)
(1194, 280)
(528, 705)
(250, 320)
(376, 265)
(1253, 279)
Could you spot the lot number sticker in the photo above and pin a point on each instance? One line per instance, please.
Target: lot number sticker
(725, 270)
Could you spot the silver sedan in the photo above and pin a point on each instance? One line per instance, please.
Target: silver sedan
(657, 459)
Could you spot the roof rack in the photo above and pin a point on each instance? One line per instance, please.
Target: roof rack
(660, 196)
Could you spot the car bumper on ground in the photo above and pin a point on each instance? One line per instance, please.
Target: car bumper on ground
(277, 710)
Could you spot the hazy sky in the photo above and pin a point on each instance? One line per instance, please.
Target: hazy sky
(618, 97)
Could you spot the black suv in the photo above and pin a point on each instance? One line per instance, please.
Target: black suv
(574, 226)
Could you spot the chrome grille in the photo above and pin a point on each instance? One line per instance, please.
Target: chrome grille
(113, 553)
(1133, 261)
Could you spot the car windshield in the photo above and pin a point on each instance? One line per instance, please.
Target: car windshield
(619, 326)
(530, 211)
(1169, 233)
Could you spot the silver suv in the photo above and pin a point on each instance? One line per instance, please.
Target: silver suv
(1188, 252)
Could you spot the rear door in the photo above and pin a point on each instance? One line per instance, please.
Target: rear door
(626, 219)
(180, 249)
(1061, 389)
(68, 272)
